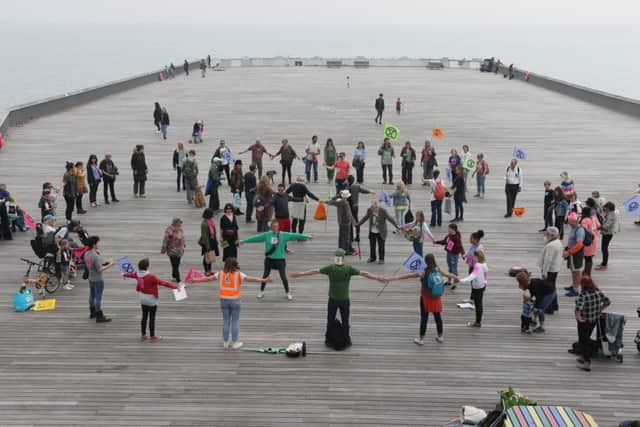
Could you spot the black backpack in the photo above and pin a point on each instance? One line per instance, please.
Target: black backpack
(588, 237)
(336, 337)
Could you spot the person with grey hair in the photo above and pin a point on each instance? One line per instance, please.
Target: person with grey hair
(550, 262)
(377, 217)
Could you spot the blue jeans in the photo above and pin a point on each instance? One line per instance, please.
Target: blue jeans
(400, 216)
(249, 209)
(480, 178)
(543, 304)
(308, 164)
(417, 247)
(436, 213)
(452, 263)
(230, 318)
(95, 294)
(163, 129)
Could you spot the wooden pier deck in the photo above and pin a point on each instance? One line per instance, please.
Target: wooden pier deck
(59, 368)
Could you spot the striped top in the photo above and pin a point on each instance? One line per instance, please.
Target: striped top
(547, 416)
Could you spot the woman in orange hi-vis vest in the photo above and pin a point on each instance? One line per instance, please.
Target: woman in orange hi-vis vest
(230, 280)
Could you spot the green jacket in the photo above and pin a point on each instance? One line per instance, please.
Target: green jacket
(268, 236)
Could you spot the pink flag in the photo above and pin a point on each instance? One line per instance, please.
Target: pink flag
(28, 221)
(193, 274)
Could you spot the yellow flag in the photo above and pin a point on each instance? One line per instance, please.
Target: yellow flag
(45, 304)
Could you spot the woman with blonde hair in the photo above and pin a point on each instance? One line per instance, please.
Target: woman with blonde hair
(401, 201)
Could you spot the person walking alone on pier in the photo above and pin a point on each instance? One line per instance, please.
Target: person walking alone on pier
(203, 67)
(379, 105)
(513, 185)
(139, 167)
(186, 67)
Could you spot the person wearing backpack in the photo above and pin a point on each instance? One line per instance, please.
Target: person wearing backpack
(190, 173)
(591, 224)
(574, 254)
(339, 275)
(431, 291)
(610, 226)
(478, 281)
(438, 193)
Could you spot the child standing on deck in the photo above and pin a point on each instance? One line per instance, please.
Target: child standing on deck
(147, 288)
(527, 321)
(453, 246)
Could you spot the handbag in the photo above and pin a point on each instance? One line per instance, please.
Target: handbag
(447, 205)
(209, 257)
(408, 217)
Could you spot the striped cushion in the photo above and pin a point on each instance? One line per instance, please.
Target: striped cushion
(547, 416)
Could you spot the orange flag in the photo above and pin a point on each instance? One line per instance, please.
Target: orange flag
(519, 212)
(437, 133)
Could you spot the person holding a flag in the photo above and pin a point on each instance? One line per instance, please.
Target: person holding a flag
(430, 302)
(386, 154)
(378, 218)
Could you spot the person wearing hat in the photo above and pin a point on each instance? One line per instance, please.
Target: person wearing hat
(275, 243)
(109, 173)
(574, 254)
(339, 275)
(212, 189)
(224, 154)
(173, 245)
(345, 220)
(379, 109)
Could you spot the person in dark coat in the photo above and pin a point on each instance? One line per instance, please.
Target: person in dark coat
(157, 115)
(250, 185)
(186, 67)
(229, 230)
(379, 109)
(164, 122)
(139, 167)
(109, 173)
(69, 189)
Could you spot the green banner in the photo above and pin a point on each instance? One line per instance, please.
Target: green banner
(469, 164)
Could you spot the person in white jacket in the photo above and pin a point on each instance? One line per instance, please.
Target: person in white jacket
(550, 261)
(478, 281)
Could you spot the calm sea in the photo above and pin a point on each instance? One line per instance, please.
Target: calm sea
(42, 61)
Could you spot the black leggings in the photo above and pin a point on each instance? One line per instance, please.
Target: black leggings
(297, 224)
(148, 312)
(179, 178)
(424, 317)
(175, 267)
(286, 169)
(281, 266)
(79, 202)
(560, 226)
(93, 191)
(70, 200)
(606, 239)
(476, 296)
(387, 169)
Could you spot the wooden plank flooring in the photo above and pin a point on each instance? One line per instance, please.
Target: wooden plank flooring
(58, 368)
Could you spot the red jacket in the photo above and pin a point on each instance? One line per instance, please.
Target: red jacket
(148, 283)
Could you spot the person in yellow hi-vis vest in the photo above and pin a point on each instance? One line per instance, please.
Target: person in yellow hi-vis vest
(230, 279)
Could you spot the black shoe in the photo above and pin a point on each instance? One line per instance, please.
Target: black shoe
(106, 202)
(507, 215)
(101, 318)
(82, 212)
(92, 313)
(542, 230)
(115, 200)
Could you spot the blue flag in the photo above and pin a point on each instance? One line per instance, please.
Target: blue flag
(415, 263)
(125, 265)
(519, 153)
(632, 206)
(384, 197)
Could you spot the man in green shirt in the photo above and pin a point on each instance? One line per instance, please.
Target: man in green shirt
(339, 299)
(275, 242)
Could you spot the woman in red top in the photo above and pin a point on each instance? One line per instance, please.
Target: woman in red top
(147, 287)
(342, 172)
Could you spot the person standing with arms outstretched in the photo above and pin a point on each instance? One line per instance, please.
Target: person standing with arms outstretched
(257, 152)
(95, 266)
(379, 109)
(275, 242)
(339, 275)
(230, 280)
(514, 181)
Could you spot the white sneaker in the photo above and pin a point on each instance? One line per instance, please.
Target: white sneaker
(226, 344)
(260, 295)
(67, 287)
(289, 296)
(440, 339)
(418, 341)
(237, 345)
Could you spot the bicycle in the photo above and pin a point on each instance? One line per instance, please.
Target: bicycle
(47, 277)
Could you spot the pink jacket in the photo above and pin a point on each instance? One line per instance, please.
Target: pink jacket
(592, 224)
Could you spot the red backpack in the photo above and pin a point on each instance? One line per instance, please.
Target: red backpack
(440, 190)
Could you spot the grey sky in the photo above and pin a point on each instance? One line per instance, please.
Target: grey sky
(283, 13)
